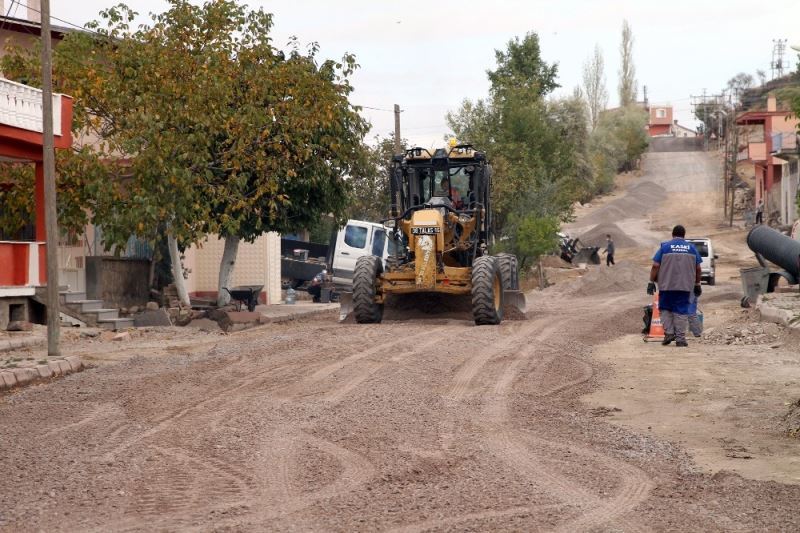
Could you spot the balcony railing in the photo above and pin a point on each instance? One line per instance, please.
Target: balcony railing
(784, 142)
(21, 107)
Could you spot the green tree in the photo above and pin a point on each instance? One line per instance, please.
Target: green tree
(622, 137)
(535, 145)
(369, 183)
(224, 133)
(627, 73)
(537, 236)
(594, 85)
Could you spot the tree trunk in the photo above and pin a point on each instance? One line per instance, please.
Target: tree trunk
(226, 269)
(177, 270)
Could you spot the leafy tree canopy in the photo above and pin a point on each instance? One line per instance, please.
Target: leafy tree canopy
(212, 129)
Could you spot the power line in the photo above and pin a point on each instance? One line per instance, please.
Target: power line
(68, 23)
(8, 12)
(378, 108)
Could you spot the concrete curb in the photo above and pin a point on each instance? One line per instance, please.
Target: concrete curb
(295, 316)
(775, 310)
(6, 345)
(20, 377)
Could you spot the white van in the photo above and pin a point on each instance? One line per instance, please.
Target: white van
(708, 268)
(357, 238)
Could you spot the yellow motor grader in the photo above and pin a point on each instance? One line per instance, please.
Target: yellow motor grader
(439, 228)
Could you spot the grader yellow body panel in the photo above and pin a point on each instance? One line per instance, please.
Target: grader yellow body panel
(427, 240)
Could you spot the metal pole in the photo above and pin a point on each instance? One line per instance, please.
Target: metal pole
(398, 149)
(49, 163)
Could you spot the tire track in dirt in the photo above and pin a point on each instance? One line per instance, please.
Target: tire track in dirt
(510, 446)
(226, 400)
(301, 388)
(587, 374)
(275, 499)
(464, 376)
(225, 394)
(187, 489)
(436, 523)
(366, 371)
(102, 413)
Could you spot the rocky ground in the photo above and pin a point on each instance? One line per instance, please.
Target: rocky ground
(561, 420)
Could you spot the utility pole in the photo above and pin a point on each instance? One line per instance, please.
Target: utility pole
(776, 65)
(705, 122)
(706, 100)
(48, 160)
(398, 149)
(734, 157)
(725, 167)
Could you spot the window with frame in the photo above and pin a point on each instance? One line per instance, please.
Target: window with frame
(378, 240)
(355, 236)
(661, 113)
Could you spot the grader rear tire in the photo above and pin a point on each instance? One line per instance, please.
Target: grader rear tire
(487, 291)
(509, 271)
(365, 308)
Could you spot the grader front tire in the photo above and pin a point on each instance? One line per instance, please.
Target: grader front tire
(487, 291)
(365, 308)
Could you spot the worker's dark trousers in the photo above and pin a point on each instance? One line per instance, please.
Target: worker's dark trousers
(675, 324)
(609, 259)
(759, 218)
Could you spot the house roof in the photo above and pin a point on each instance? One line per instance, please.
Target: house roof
(759, 116)
(33, 28)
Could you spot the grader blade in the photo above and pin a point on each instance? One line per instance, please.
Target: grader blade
(515, 299)
(345, 305)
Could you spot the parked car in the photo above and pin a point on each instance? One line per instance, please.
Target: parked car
(708, 267)
(301, 261)
(357, 238)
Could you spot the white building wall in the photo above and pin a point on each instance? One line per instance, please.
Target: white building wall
(257, 263)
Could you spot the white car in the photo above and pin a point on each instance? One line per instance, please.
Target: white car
(708, 267)
(357, 238)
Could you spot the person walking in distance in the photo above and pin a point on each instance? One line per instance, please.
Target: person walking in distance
(609, 251)
(676, 269)
(760, 212)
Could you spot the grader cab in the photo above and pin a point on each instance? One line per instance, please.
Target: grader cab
(439, 227)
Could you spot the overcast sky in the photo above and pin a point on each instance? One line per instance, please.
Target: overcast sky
(429, 56)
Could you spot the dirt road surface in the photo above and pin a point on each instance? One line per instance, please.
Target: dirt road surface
(429, 424)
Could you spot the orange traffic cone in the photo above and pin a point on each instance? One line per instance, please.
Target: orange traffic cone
(656, 332)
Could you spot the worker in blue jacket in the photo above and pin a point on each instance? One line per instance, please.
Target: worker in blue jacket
(676, 270)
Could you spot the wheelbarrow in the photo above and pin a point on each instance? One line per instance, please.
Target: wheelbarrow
(245, 295)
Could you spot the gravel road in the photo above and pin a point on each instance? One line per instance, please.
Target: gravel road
(420, 425)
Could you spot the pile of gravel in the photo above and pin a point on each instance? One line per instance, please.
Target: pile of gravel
(554, 261)
(597, 236)
(791, 421)
(619, 278)
(751, 333)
